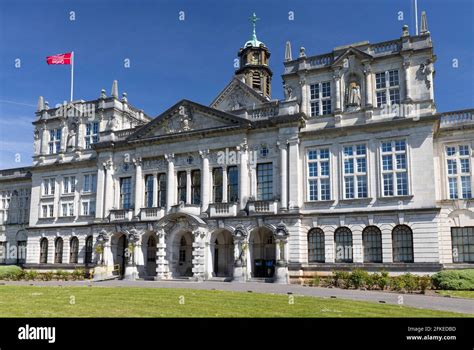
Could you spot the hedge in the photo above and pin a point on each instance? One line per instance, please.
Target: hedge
(454, 279)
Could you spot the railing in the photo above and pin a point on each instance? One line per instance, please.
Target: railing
(321, 61)
(386, 47)
(264, 112)
(263, 207)
(121, 214)
(154, 213)
(457, 117)
(222, 209)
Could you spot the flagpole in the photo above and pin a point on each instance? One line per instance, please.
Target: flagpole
(416, 17)
(72, 74)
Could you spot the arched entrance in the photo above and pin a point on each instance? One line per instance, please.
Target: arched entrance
(150, 261)
(262, 253)
(181, 255)
(119, 251)
(222, 253)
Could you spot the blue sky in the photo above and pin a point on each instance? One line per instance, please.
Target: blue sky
(172, 59)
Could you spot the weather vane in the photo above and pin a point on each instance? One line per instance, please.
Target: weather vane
(254, 20)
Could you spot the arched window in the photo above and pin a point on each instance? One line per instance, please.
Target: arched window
(73, 250)
(43, 251)
(88, 256)
(58, 251)
(402, 243)
(372, 242)
(316, 245)
(343, 242)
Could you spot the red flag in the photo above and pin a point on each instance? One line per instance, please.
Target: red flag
(64, 58)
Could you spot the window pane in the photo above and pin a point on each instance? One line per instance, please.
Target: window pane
(265, 181)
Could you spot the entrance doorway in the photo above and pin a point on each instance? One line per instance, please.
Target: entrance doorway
(120, 256)
(222, 250)
(262, 253)
(151, 256)
(181, 255)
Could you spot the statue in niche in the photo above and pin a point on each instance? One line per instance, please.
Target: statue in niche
(353, 94)
(71, 137)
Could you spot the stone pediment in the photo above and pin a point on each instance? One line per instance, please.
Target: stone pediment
(187, 117)
(351, 51)
(237, 95)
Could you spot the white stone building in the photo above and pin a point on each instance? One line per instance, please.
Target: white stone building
(353, 168)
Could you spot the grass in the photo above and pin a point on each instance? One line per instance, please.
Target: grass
(35, 301)
(458, 293)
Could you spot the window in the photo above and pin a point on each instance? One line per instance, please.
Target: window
(54, 141)
(49, 186)
(265, 181)
(92, 134)
(217, 185)
(69, 184)
(149, 179)
(393, 159)
(90, 183)
(47, 210)
(196, 187)
(319, 187)
(232, 184)
(126, 192)
(162, 190)
(256, 80)
(43, 251)
(58, 251)
(21, 254)
(182, 179)
(320, 99)
(355, 171)
(67, 209)
(316, 245)
(402, 243)
(88, 208)
(88, 255)
(73, 250)
(372, 242)
(462, 239)
(343, 243)
(387, 88)
(458, 170)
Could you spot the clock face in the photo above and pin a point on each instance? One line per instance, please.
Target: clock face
(255, 58)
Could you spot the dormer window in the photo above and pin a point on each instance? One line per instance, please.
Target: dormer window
(320, 99)
(92, 134)
(54, 141)
(387, 88)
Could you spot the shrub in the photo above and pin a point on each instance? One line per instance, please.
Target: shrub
(397, 283)
(18, 275)
(454, 279)
(382, 280)
(341, 279)
(31, 275)
(47, 276)
(62, 275)
(9, 272)
(358, 278)
(424, 283)
(410, 282)
(371, 281)
(316, 281)
(78, 274)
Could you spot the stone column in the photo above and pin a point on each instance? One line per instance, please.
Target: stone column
(406, 80)
(100, 189)
(239, 257)
(162, 268)
(188, 186)
(368, 85)
(155, 190)
(131, 271)
(243, 176)
(294, 174)
(138, 186)
(304, 96)
(198, 255)
(282, 145)
(337, 89)
(281, 268)
(109, 187)
(170, 197)
(44, 139)
(205, 183)
(224, 184)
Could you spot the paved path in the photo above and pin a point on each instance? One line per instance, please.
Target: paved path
(415, 300)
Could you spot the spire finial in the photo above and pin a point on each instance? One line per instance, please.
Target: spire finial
(40, 104)
(254, 20)
(114, 92)
(424, 24)
(288, 56)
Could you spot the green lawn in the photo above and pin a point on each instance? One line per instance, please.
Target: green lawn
(458, 293)
(33, 301)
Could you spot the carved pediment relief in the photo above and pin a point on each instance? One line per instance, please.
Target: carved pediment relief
(237, 95)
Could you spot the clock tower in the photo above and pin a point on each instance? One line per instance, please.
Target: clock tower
(254, 59)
